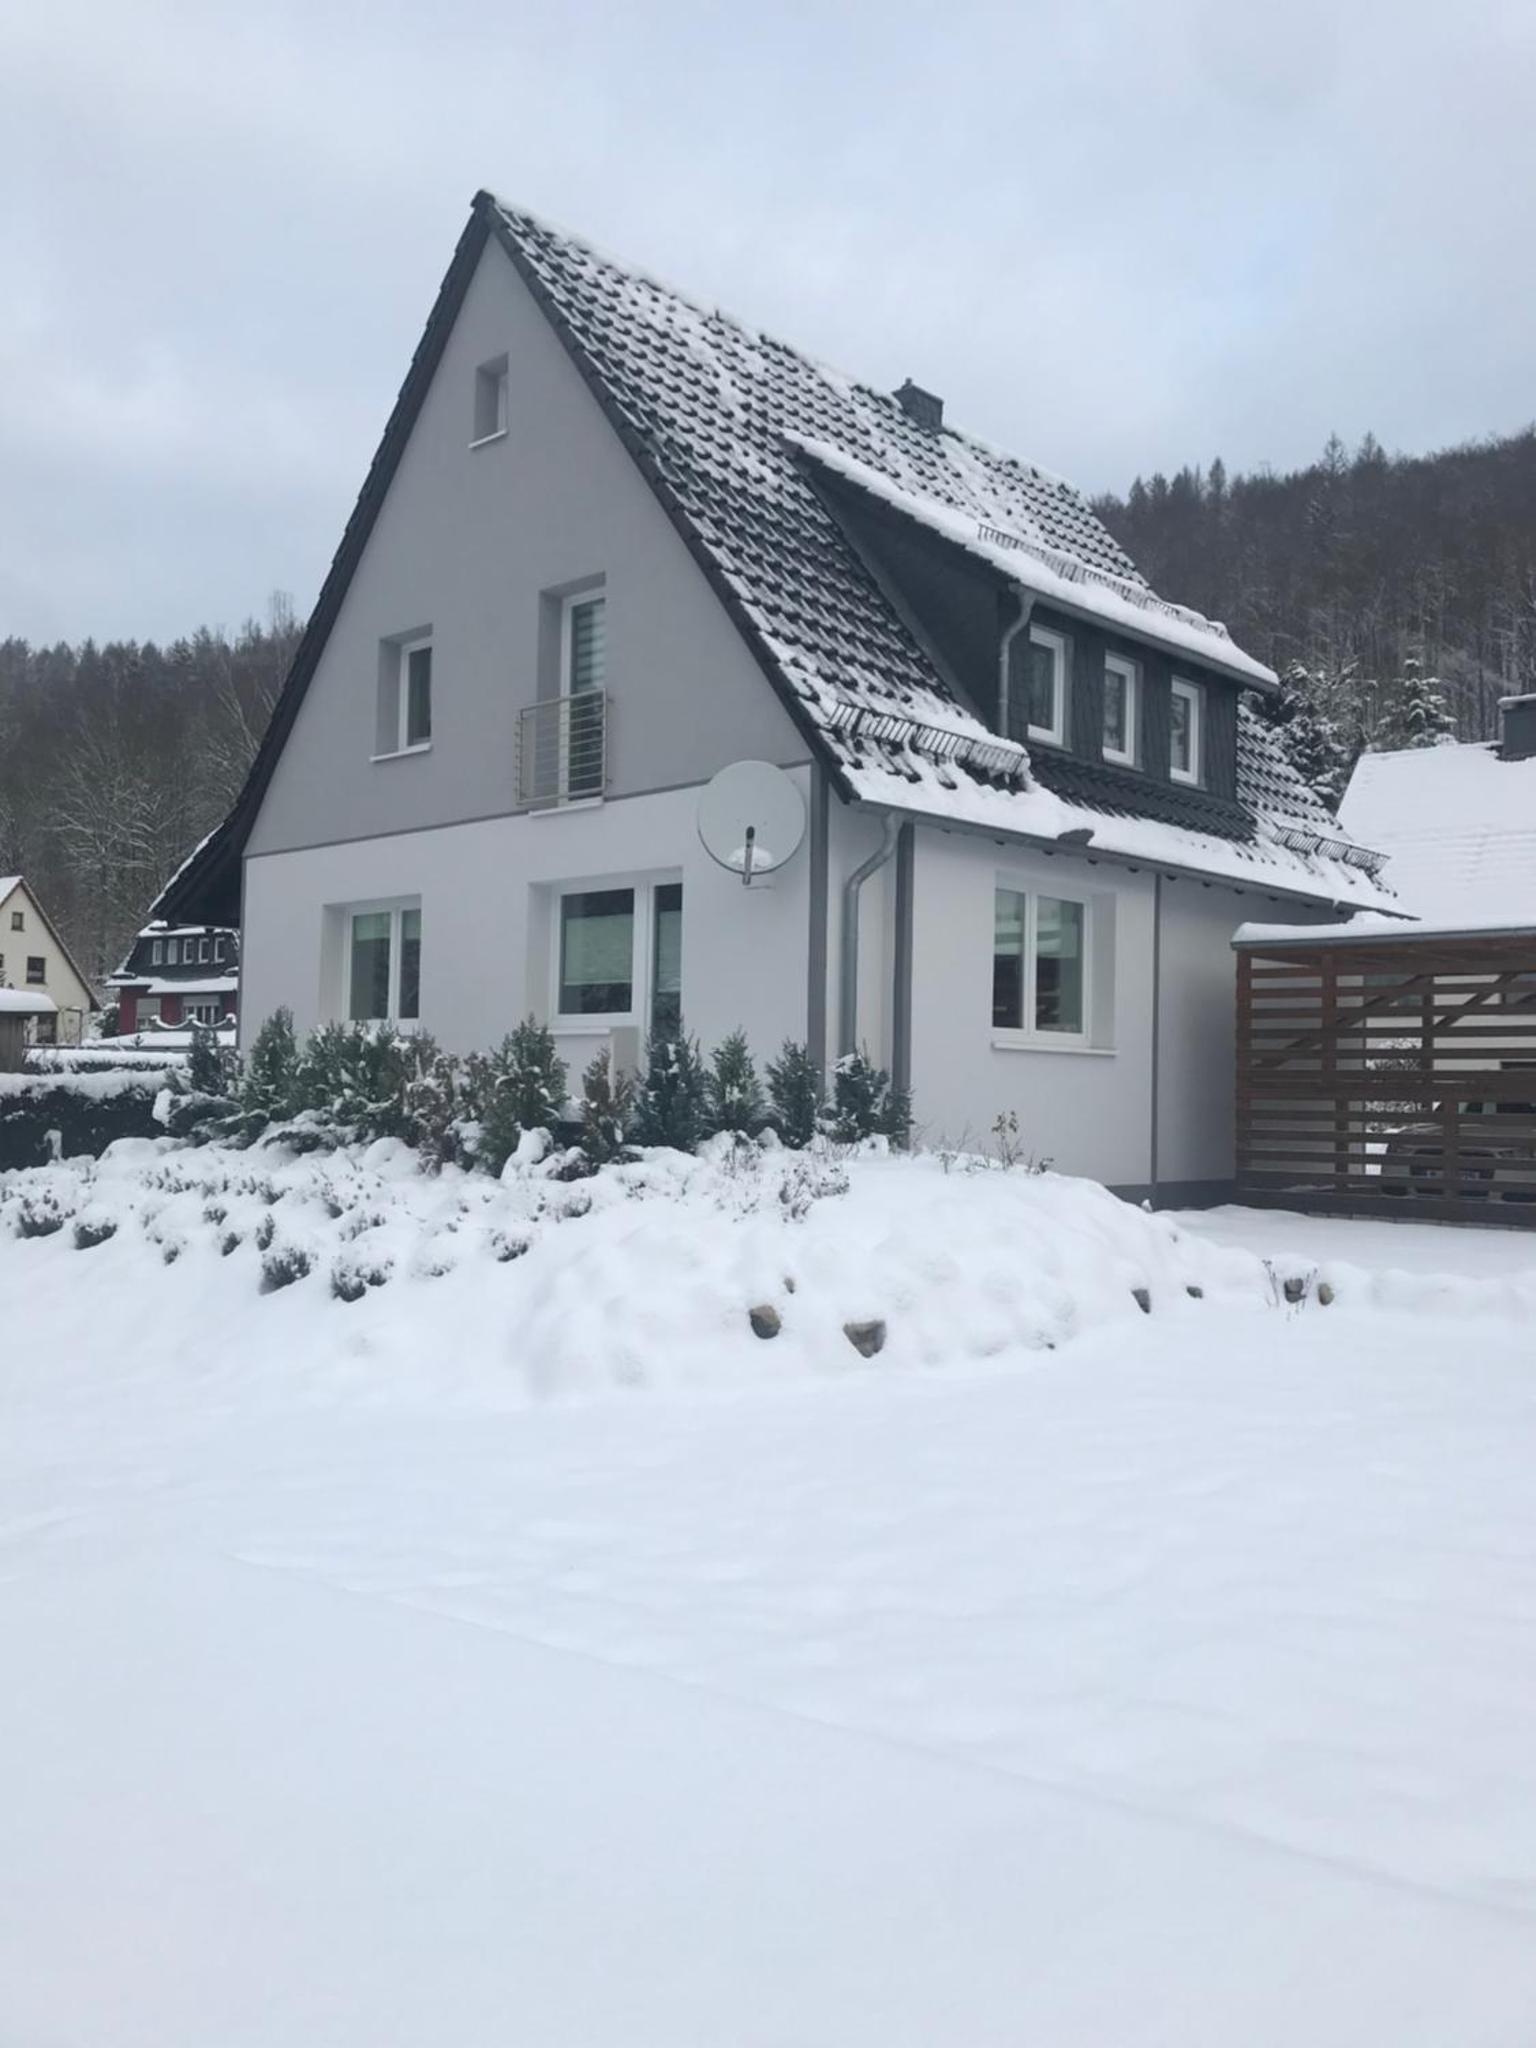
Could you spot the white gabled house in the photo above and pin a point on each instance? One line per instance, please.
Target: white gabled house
(612, 543)
(38, 966)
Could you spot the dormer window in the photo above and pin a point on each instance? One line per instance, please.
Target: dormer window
(172, 952)
(157, 953)
(1184, 736)
(1046, 687)
(1120, 710)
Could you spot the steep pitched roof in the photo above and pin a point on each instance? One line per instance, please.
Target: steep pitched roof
(9, 884)
(729, 426)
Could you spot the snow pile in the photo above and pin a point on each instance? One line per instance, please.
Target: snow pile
(645, 1274)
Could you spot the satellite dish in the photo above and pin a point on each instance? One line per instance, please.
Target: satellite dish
(751, 818)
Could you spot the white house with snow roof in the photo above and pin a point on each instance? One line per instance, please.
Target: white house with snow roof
(53, 997)
(612, 543)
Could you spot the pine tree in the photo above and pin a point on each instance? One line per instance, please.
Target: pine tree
(607, 1103)
(205, 1064)
(733, 1097)
(435, 1109)
(795, 1094)
(1417, 715)
(269, 1083)
(670, 1101)
(519, 1087)
(1309, 738)
(864, 1104)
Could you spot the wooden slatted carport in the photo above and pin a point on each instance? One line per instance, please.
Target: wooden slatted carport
(1392, 1072)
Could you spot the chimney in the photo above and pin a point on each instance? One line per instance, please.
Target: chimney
(1518, 740)
(921, 407)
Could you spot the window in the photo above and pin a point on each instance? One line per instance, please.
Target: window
(37, 968)
(18, 921)
(667, 960)
(202, 949)
(415, 694)
(1046, 687)
(597, 953)
(490, 401)
(172, 952)
(384, 966)
(203, 1010)
(157, 953)
(1120, 710)
(1184, 712)
(1039, 965)
(583, 672)
(218, 949)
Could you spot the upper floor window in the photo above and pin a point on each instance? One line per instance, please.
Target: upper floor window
(490, 401)
(202, 949)
(1186, 705)
(1039, 964)
(1120, 710)
(157, 953)
(415, 694)
(583, 673)
(218, 949)
(384, 966)
(172, 952)
(18, 921)
(37, 968)
(1046, 687)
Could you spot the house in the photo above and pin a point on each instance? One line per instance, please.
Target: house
(613, 542)
(178, 975)
(1380, 1058)
(35, 961)
(21, 1012)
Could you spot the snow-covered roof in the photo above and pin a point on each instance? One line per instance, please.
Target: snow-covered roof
(26, 1002)
(1459, 827)
(7, 884)
(162, 985)
(728, 424)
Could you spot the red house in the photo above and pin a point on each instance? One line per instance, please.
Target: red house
(177, 975)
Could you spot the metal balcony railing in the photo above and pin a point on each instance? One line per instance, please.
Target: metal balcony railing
(562, 750)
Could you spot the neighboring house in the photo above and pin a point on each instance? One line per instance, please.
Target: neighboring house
(178, 975)
(1380, 1058)
(36, 961)
(613, 542)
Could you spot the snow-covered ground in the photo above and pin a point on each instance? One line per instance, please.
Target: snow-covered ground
(525, 1651)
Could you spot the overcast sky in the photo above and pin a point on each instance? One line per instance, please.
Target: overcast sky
(1116, 237)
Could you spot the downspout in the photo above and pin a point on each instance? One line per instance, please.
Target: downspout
(848, 1003)
(1011, 633)
(1157, 1022)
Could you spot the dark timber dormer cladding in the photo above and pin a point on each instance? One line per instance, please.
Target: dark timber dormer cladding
(962, 608)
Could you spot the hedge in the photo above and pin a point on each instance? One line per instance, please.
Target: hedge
(87, 1111)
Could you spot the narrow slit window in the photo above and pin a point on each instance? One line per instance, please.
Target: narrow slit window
(1184, 737)
(409, 1006)
(667, 961)
(1120, 709)
(1058, 956)
(415, 694)
(584, 672)
(369, 991)
(1009, 922)
(1046, 687)
(491, 400)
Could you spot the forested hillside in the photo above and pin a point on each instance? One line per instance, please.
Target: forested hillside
(115, 760)
(1363, 570)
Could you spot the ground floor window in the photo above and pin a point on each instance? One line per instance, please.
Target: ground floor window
(203, 1010)
(620, 955)
(1039, 964)
(384, 966)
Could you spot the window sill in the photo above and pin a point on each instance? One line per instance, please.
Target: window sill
(486, 440)
(1041, 738)
(1021, 1041)
(556, 809)
(1119, 760)
(1184, 781)
(402, 753)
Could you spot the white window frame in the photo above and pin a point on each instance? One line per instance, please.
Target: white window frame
(202, 950)
(1054, 734)
(1029, 1034)
(192, 1004)
(1194, 696)
(1121, 665)
(569, 605)
(405, 649)
(173, 952)
(496, 373)
(642, 962)
(157, 953)
(396, 908)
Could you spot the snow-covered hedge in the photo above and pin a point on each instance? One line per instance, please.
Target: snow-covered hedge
(44, 1116)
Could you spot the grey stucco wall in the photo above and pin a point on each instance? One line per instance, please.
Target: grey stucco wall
(467, 541)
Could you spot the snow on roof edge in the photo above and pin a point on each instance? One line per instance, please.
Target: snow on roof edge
(1019, 559)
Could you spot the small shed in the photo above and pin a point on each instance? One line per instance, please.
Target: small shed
(1388, 1069)
(17, 1007)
